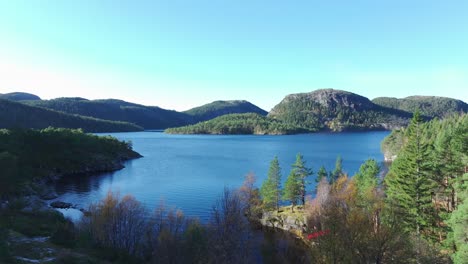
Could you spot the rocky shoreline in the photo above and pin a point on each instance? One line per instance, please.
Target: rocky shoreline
(40, 195)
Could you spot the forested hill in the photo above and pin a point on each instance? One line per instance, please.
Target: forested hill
(18, 115)
(428, 184)
(248, 123)
(433, 106)
(219, 108)
(27, 154)
(18, 96)
(320, 110)
(336, 110)
(148, 117)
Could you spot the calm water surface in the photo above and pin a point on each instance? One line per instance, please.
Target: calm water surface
(190, 171)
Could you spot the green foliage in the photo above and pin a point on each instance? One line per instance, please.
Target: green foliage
(321, 174)
(367, 178)
(459, 222)
(271, 187)
(302, 173)
(393, 143)
(219, 108)
(432, 106)
(296, 183)
(249, 123)
(356, 229)
(18, 115)
(196, 242)
(336, 110)
(424, 181)
(292, 189)
(338, 171)
(31, 223)
(28, 154)
(409, 183)
(149, 117)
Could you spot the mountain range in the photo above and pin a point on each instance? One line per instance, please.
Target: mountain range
(320, 110)
(18, 115)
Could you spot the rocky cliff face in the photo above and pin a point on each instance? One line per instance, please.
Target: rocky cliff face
(331, 98)
(284, 222)
(336, 110)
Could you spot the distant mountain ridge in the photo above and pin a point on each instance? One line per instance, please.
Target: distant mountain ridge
(219, 108)
(320, 110)
(17, 115)
(19, 96)
(149, 117)
(336, 110)
(432, 106)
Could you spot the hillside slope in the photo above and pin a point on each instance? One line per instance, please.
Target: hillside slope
(149, 117)
(433, 106)
(18, 115)
(18, 96)
(219, 108)
(336, 110)
(248, 123)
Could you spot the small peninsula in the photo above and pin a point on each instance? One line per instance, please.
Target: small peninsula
(241, 124)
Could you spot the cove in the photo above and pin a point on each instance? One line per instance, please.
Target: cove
(190, 171)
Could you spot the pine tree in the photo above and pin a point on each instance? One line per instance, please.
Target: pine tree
(292, 190)
(302, 173)
(296, 183)
(338, 171)
(459, 222)
(271, 187)
(367, 177)
(408, 182)
(321, 173)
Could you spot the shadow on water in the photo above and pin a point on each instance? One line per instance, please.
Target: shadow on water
(83, 183)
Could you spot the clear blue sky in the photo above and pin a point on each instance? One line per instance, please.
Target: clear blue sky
(180, 54)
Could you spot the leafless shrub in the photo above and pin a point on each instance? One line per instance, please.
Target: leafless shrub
(117, 223)
(230, 234)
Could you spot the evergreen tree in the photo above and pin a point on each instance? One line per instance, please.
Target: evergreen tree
(367, 177)
(302, 173)
(338, 171)
(271, 187)
(408, 182)
(296, 183)
(459, 222)
(321, 173)
(292, 189)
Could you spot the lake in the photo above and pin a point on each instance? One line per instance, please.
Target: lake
(190, 171)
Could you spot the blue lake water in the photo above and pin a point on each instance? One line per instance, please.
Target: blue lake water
(190, 171)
